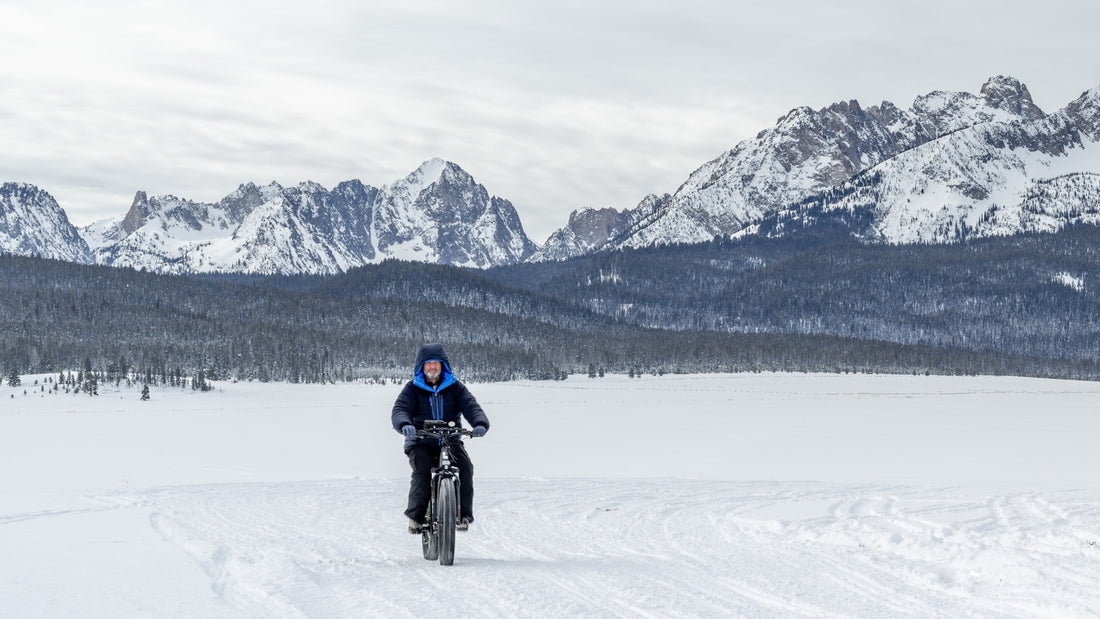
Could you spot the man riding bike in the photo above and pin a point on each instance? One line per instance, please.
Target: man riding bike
(435, 393)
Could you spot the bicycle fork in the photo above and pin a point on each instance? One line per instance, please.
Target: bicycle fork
(435, 486)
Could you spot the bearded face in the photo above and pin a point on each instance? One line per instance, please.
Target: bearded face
(432, 371)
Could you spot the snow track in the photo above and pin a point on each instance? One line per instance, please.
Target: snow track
(641, 548)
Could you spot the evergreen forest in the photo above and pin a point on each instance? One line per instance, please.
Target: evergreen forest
(817, 301)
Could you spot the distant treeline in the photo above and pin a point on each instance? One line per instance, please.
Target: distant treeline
(1033, 296)
(1024, 305)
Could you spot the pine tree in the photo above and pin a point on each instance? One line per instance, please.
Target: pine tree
(145, 393)
(13, 378)
(200, 384)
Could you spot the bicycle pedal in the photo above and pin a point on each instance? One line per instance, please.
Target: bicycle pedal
(463, 525)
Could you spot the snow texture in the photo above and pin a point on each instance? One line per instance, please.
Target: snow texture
(675, 496)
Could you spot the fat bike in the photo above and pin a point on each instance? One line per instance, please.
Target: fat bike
(437, 535)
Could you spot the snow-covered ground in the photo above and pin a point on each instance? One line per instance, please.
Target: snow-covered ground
(756, 495)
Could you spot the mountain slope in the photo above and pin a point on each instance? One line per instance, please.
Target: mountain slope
(990, 179)
(33, 224)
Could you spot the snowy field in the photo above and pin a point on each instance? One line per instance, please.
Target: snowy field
(757, 495)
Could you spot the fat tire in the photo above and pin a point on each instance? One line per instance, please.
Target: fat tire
(447, 506)
(429, 541)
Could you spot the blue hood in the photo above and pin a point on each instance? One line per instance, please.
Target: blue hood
(432, 352)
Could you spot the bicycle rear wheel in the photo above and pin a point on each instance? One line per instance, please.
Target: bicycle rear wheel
(447, 506)
(429, 541)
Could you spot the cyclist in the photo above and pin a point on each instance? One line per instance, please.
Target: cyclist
(435, 393)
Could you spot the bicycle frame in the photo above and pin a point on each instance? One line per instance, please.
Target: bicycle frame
(438, 534)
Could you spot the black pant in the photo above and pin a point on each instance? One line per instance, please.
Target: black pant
(422, 458)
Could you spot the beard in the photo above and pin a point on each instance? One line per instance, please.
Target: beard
(432, 377)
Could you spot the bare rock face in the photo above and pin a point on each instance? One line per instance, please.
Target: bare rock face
(587, 230)
(135, 217)
(1009, 95)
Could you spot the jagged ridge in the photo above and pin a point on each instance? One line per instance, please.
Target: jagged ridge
(971, 146)
(437, 214)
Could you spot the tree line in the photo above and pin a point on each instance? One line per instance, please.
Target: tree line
(820, 302)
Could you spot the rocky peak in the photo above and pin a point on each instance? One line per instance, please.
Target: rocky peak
(1084, 113)
(887, 113)
(427, 174)
(846, 108)
(594, 226)
(355, 196)
(135, 217)
(588, 229)
(452, 186)
(311, 187)
(243, 201)
(1008, 94)
(1002, 99)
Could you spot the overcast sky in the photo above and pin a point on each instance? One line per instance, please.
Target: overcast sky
(554, 105)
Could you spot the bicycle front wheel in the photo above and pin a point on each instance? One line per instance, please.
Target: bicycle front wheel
(446, 504)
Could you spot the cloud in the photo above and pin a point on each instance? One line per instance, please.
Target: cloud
(553, 106)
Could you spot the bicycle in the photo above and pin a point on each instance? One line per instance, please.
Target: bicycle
(437, 536)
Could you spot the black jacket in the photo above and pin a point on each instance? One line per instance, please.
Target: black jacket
(450, 400)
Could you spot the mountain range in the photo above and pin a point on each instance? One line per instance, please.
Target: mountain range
(953, 165)
(438, 213)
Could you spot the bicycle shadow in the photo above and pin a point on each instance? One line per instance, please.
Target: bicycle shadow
(533, 563)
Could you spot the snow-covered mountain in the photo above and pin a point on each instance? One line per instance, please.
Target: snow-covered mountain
(439, 214)
(812, 153)
(32, 224)
(436, 214)
(954, 164)
(993, 178)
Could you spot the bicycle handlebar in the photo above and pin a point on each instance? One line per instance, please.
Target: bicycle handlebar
(443, 433)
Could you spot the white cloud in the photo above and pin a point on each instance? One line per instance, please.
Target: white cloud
(551, 105)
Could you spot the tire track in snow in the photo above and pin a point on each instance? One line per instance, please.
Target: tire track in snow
(634, 548)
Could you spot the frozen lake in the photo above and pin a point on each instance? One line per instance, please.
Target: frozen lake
(744, 495)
